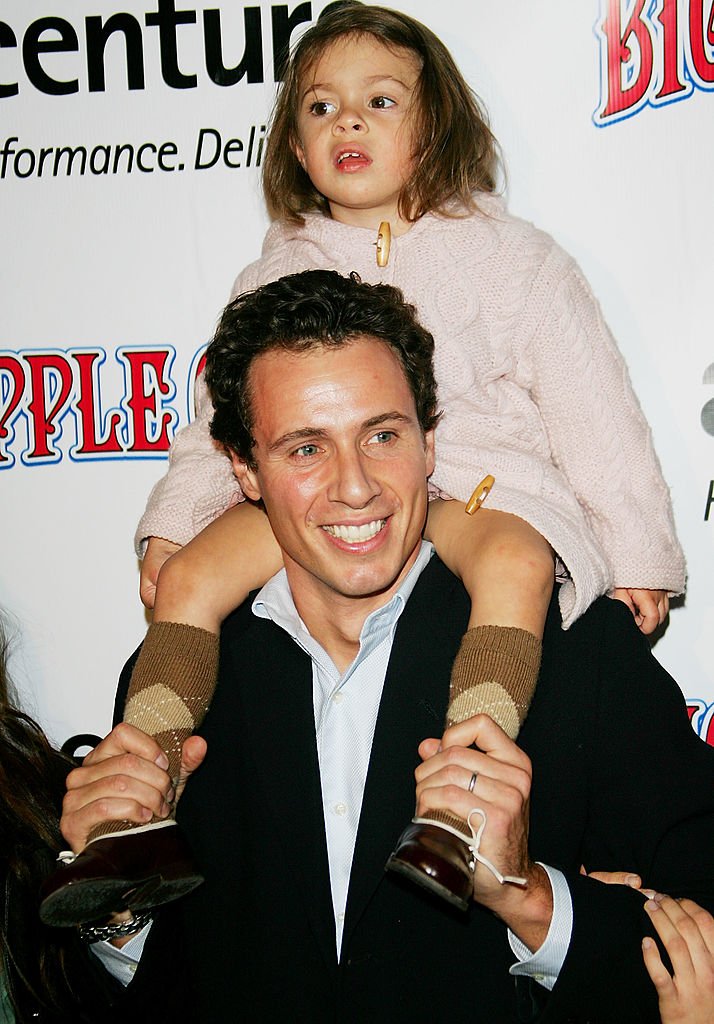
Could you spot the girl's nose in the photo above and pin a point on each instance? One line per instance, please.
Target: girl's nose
(348, 121)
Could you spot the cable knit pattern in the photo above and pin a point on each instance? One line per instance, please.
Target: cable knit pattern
(532, 384)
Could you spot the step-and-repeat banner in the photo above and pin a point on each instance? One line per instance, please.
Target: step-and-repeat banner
(131, 138)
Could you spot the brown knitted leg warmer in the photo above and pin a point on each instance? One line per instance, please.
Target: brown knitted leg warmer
(170, 691)
(494, 673)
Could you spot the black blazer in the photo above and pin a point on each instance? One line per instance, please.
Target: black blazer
(620, 782)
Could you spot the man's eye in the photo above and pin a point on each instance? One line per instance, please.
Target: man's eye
(382, 102)
(306, 450)
(382, 437)
(321, 107)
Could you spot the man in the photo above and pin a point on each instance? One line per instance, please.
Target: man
(332, 692)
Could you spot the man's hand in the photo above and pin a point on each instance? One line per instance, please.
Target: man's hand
(157, 552)
(124, 777)
(649, 607)
(502, 790)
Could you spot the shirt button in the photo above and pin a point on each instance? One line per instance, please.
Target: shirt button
(341, 809)
(132, 968)
(340, 917)
(338, 697)
(539, 977)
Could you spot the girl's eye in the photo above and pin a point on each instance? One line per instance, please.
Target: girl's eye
(305, 451)
(382, 437)
(381, 102)
(321, 107)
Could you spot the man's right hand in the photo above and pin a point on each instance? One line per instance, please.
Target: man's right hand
(123, 778)
(157, 552)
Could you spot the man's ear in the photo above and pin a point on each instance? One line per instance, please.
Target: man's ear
(429, 449)
(246, 477)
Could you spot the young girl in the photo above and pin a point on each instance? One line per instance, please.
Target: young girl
(380, 161)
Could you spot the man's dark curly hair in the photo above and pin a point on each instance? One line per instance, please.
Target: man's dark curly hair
(304, 311)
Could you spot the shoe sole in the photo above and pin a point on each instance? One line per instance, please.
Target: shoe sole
(425, 881)
(94, 899)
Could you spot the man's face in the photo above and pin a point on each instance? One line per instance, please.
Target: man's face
(341, 467)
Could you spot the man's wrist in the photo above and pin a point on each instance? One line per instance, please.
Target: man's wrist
(117, 929)
(527, 911)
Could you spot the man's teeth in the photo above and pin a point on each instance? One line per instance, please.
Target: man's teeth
(356, 534)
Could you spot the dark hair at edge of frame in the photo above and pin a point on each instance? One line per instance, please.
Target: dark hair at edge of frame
(34, 963)
(298, 313)
(458, 155)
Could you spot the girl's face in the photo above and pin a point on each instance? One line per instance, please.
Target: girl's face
(355, 129)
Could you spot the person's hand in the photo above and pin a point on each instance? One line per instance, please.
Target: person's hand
(615, 878)
(157, 552)
(649, 607)
(687, 931)
(502, 790)
(124, 777)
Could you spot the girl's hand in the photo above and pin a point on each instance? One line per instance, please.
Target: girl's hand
(650, 607)
(687, 931)
(158, 551)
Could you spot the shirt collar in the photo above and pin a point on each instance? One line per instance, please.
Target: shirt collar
(275, 602)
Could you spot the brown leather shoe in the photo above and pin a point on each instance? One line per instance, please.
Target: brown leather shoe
(437, 860)
(115, 873)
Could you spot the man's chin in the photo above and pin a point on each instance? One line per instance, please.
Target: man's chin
(370, 582)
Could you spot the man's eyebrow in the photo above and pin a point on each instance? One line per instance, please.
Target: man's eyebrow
(303, 434)
(388, 417)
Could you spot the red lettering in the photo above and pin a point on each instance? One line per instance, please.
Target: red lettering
(89, 417)
(12, 386)
(701, 41)
(706, 729)
(630, 49)
(672, 81)
(148, 388)
(704, 715)
(51, 382)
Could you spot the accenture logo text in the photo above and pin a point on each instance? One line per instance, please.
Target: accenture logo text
(161, 35)
(652, 52)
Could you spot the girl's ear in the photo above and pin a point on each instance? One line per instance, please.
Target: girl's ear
(246, 477)
(298, 151)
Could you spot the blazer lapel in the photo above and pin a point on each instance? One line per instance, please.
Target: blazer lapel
(279, 707)
(413, 706)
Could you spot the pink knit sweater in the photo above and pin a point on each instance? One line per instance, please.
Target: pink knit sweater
(532, 384)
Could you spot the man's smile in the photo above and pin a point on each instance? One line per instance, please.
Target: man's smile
(355, 534)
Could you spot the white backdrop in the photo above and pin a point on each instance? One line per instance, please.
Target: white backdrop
(111, 280)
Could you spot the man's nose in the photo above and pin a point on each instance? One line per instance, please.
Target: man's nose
(354, 483)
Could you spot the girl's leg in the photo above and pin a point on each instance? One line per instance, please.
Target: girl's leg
(508, 571)
(129, 866)
(175, 674)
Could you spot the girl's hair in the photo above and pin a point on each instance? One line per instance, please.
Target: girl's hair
(457, 154)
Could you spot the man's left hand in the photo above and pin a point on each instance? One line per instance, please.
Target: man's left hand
(502, 790)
